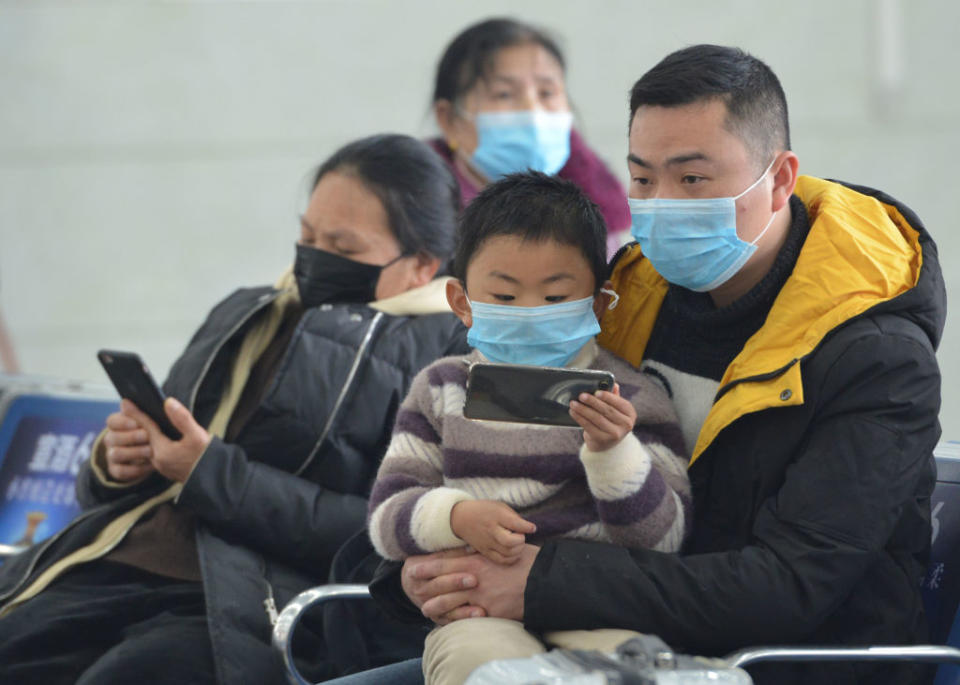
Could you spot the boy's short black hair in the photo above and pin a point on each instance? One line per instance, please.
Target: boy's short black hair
(537, 207)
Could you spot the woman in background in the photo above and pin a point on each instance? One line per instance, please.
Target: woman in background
(501, 103)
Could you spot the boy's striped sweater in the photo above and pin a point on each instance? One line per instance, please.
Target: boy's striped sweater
(635, 494)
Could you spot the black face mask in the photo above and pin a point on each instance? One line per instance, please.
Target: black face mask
(327, 277)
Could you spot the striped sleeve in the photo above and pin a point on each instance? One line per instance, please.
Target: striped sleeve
(409, 509)
(640, 485)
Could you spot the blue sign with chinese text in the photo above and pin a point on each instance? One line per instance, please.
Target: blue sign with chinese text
(43, 441)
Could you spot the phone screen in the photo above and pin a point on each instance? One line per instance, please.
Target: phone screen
(529, 394)
(133, 381)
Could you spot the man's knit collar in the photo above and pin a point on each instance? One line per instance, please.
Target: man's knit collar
(700, 311)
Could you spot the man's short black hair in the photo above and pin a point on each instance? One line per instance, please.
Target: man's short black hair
(756, 104)
(536, 207)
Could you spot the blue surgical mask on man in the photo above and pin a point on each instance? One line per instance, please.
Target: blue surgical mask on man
(549, 335)
(510, 142)
(693, 242)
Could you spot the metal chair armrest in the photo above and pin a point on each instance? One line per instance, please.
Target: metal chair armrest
(292, 613)
(928, 653)
(10, 550)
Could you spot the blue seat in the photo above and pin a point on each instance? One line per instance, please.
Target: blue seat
(47, 428)
(941, 585)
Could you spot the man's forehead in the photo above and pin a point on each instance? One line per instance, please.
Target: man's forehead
(682, 134)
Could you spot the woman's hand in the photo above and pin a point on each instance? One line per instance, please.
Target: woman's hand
(606, 418)
(127, 449)
(492, 528)
(173, 459)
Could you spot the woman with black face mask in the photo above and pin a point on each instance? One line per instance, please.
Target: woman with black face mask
(285, 398)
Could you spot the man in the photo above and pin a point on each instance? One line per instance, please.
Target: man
(795, 322)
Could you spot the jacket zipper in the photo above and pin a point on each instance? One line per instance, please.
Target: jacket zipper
(223, 341)
(358, 357)
(270, 605)
(269, 602)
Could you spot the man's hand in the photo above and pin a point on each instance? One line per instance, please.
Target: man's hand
(427, 576)
(173, 459)
(606, 418)
(127, 449)
(492, 528)
(455, 584)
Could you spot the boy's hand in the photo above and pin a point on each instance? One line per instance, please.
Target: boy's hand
(605, 417)
(492, 528)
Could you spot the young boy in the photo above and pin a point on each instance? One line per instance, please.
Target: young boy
(530, 268)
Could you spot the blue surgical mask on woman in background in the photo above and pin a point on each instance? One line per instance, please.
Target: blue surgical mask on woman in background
(516, 141)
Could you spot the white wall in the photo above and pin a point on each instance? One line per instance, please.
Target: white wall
(153, 154)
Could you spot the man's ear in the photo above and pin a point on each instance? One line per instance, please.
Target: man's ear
(601, 301)
(784, 179)
(459, 302)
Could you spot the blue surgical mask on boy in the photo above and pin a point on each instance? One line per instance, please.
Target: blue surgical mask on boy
(510, 142)
(549, 335)
(694, 243)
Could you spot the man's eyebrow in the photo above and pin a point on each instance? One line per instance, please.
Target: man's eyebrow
(688, 157)
(673, 161)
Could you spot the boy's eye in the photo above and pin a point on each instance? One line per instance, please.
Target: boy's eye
(691, 178)
(555, 298)
(504, 298)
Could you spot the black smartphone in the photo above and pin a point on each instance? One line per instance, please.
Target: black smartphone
(133, 381)
(529, 394)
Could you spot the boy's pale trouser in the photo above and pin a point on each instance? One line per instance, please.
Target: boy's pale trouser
(454, 650)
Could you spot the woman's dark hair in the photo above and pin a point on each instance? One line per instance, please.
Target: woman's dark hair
(470, 55)
(536, 207)
(416, 187)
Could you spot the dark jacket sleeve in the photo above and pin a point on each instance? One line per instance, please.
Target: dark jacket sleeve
(865, 458)
(387, 592)
(276, 513)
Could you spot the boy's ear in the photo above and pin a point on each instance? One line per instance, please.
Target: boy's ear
(459, 302)
(602, 300)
